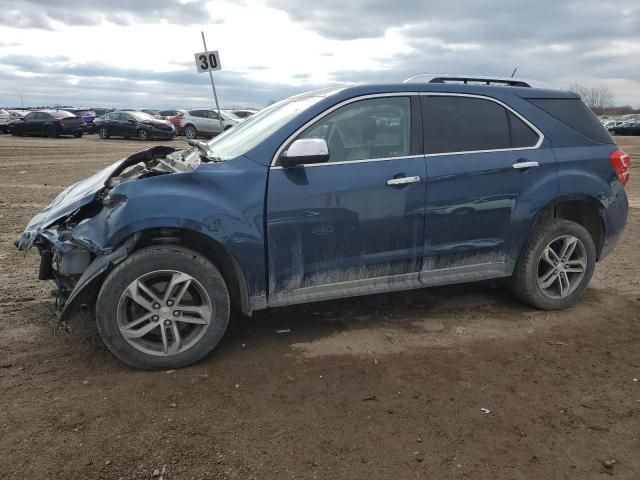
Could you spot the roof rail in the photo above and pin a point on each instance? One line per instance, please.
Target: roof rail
(473, 79)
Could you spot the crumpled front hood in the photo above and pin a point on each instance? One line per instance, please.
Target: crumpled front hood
(69, 200)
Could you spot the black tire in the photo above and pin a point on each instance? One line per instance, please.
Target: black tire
(153, 259)
(525, 277)
(50, 132)
(143, 134)
(103, 132)
(190, 132)
(77, 135)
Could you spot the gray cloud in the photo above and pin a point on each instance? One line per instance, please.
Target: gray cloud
(558, 42)
(41, 13)
(58, 80)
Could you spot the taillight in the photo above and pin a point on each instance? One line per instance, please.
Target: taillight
(621, 162)
(61, 122)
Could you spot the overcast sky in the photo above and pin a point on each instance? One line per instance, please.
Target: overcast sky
(139, 53)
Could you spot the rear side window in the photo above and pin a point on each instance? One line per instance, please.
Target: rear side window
(60, 114)
(575, 114)
(467, 124)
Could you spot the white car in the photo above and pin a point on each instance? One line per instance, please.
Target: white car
(5, 118)
(197, 123)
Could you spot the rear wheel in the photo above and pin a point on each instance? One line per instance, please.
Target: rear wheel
(555, 266)
(103, 132)
(190, 132)
(163, 307)
(50, 132)
(77, 135)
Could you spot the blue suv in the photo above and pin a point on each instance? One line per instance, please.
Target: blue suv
(335, 193)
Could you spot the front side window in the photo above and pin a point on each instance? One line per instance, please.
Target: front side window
(466, 124)
(366, 129)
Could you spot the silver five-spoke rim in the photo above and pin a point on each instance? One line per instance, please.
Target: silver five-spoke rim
(164, 312)
(562, 266)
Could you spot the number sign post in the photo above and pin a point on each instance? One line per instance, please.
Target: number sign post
(208, 62)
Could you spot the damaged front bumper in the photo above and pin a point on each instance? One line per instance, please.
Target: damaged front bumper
(72, 234)
(75, 268)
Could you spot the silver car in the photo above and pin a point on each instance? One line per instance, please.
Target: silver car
(5, 118)
(196, 123)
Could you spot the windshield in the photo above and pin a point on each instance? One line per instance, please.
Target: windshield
(61, 114)
(141, 116)
(246, 135)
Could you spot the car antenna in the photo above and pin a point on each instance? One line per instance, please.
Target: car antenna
(514, 72)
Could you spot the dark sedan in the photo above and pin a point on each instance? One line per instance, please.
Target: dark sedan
(51, 123)
(133, 124)
(626, 128)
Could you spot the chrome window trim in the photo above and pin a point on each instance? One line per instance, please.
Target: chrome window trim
(318, 117)
(503, 105)
(327, 112)
(385, 159)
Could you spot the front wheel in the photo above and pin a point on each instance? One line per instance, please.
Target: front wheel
(143, 134)
(555, 266)
(190, 132)
(163, 307)
(103, 132)
(77, 135)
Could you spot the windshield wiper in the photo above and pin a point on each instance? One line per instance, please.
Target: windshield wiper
(205, 152)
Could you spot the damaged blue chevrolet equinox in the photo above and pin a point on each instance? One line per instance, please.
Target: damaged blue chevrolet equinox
(335, 193)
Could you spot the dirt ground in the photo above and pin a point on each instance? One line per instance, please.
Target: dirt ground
(388, 386)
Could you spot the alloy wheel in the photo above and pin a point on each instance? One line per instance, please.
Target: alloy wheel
(164, 312)
(562, 267)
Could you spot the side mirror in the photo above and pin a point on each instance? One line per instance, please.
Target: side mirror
(305, 150)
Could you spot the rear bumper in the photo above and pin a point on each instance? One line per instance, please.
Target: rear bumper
(72, 129)
(614, 219)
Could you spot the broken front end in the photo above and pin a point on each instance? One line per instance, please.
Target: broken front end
(72, 233)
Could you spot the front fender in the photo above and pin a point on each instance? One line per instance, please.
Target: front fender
(224, 201)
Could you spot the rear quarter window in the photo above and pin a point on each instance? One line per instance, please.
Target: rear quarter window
(576, 115)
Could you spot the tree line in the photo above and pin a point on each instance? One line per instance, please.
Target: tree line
(600, 100)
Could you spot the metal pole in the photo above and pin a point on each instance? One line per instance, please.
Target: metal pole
(213, 86)
(21, 101)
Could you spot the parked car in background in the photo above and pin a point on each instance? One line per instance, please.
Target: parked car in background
(625, 128)
(17, 113)
(5, 118)
(51, 123)
(243, 113)
(174, 117)
(131, 124)
(87, 115)
(337, 193)
(199, 123)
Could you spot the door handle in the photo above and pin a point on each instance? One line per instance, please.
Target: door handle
(402, 181)
(521, 165)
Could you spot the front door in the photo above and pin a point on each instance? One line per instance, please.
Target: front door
(488, 172)
(355, 224)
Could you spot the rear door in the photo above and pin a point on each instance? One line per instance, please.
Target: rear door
(128, 125)
(113, 124)
(488, 171)
(38, 124)
(356, 222)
